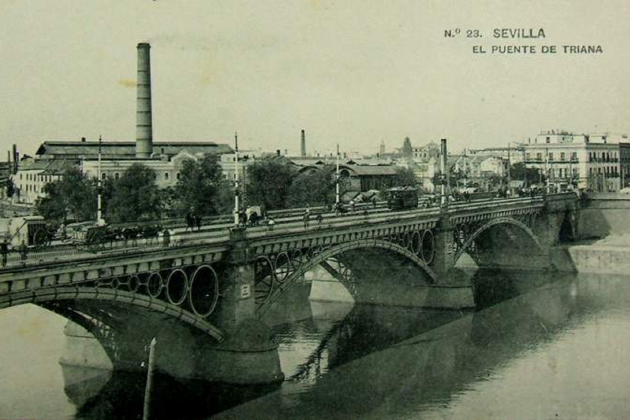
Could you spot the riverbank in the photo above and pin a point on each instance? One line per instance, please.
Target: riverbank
(609, 255)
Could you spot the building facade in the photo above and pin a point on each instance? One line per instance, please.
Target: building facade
(590, 162)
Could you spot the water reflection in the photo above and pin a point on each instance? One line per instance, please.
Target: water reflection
(401, 364)
(120, 395)
(531, 349)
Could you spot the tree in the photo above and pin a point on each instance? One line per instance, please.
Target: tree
(519, 171)
(268, 183)
(407, 149)
(71, 197)
(10, 188)
(135, 196)
(316, 188)
(405, 177)
(201, 188)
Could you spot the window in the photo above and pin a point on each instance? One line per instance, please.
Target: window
(166, 176)
(527, 156)
(561, 155)
(104, 176)
(539, 156)
(548, 139)
(574, 156)
(178, 175)
(20, 176)
(550, 156)
(116, 175)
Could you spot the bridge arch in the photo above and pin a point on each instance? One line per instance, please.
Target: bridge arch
(503, 221)
(58, 294)
(323, 254)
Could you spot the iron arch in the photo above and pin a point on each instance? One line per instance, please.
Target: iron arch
(45, 296)
(327, 253)
(490, 224)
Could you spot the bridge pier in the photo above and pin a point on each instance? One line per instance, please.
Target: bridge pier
(248, 354)
(452, 289)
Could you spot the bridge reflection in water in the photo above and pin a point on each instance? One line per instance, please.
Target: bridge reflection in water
(370, 361)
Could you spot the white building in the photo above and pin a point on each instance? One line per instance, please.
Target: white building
(582, 160)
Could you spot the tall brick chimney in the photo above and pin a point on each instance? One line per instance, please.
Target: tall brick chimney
(303, 145)
(144, 120)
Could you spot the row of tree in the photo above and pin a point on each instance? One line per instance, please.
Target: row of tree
(135, 196)
(200, 190)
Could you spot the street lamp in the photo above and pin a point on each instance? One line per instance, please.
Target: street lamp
(236, 185)
(337, 182)
(99, 209)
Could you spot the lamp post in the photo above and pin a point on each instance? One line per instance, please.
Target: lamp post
(236, 184)
(509, 172)
(99, 207)
(337, 179)
(443, 169)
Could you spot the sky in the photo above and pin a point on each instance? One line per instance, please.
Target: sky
(352, 72)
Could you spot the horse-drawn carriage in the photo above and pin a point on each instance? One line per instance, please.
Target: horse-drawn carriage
(91, 234)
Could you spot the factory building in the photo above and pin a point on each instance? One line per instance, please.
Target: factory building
(166, 158)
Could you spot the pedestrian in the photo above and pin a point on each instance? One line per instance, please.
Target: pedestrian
(189, 222)
(320, 218)
(253, 219)
(23, 252)
(307, 217)
(198, 222)
(352, 205)
(166, 238)
(374, 200)
(4, 250)
(271, 223)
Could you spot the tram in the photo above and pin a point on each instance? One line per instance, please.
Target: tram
(401, 198)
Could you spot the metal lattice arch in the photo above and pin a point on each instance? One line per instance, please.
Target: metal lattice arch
(501, 221)
(340, 249)
(68, 294)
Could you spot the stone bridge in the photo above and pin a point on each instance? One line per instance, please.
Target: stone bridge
(204, 302)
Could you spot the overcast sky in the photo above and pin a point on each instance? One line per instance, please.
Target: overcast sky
(348, 71)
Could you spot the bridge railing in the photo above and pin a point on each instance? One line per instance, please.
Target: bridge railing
(219, 232)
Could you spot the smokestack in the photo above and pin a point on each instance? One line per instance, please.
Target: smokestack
(303, 145)
(446, 187)
(15, 159)
(144, 127)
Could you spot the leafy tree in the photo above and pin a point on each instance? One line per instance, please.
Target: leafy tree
(316, 188)
(201, 187)
(519, 171)
(407, 149)
(10, 188)
(71, 197)
(135, 196)
(405, 177)
(268, 183)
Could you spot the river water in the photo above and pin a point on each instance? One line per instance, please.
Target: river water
(537, 347)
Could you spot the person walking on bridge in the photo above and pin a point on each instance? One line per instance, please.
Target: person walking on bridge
(23, 253)
(307, 218)
(189, 222)
(4, 250)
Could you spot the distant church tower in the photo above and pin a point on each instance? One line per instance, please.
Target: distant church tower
(381, 148)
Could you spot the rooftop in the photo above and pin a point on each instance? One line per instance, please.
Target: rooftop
(79, 149)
